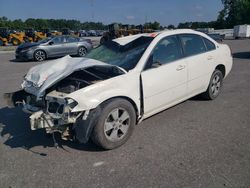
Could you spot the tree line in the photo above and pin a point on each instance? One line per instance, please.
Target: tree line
(55, 24)
(235, 12)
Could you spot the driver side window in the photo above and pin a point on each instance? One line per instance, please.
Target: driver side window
(58, 40)
(166, 51)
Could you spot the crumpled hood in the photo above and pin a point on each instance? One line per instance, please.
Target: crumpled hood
(41, 77)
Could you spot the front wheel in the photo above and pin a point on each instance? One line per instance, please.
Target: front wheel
(82, 51)
(39, 55)
(115, 124)
(215, 86)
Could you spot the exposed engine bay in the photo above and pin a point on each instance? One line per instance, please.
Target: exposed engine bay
(83, 78)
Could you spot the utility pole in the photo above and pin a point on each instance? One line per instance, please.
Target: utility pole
(92, 10)
(146, 20)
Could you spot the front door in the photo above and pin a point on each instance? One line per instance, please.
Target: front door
(71, 45)
(165, 76)
(57, 46)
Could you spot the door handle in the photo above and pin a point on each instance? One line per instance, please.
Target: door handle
(210, 57)
(180, 67)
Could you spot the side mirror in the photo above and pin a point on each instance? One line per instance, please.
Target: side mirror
(149, 62)
(51, 43)
(156, 64)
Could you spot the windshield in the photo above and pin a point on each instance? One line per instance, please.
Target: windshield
(45, 40)
(125, 57)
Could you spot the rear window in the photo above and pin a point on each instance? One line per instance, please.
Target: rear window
(72, 39)
(209, 44)
(192, 44)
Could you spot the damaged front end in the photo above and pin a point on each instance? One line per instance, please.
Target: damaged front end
(56, 116)
(51, 108)
(53, 113)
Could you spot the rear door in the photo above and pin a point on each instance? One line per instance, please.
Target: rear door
(71, 45)
(165, 76)
(199, 61)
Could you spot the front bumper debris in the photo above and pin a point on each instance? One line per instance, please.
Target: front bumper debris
(54, 114)
(56, 117)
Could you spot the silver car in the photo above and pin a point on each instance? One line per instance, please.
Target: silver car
(57, 46)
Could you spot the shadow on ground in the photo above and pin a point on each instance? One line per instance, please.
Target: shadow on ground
(20, 61)
(242, 55)
(33, 61)
(16, 133)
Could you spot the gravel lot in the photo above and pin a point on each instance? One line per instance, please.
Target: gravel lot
(194, 144)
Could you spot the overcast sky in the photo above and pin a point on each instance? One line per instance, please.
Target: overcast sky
(107, 11)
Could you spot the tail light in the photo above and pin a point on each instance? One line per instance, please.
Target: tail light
(230, 51)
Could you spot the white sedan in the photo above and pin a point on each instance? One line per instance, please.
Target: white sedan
(120, 83)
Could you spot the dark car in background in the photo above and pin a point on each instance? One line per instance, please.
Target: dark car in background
(57, 46)
(83, 33)
(92, 33)
(216, 36)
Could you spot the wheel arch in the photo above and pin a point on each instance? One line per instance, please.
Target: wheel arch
(221, 68)
(82, 45)
(131, 101)
(84, 128)
(39, 49)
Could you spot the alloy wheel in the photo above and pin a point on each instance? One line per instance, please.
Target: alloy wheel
(40, 55)
(82, 52)
(216, 84)
(117, 124)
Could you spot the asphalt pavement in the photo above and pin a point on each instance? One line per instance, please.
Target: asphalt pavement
(194, 144)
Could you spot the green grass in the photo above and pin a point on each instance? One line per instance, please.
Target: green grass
(8, 48)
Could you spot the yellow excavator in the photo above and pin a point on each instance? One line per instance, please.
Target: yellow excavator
(34, 36)
(7, 37)
(116, 31)
(16, 38)
(29, 35)
(55, 33)
(39, 35)
(4, 36)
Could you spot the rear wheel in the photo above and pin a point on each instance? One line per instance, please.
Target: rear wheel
(103, 40)
(115, 124)
(82, 51)
(215, 86)
(39, 55)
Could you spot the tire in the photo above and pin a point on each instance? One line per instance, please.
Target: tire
(215, 86)
(115, 125)
(103, 40)
(82, 51)
(40, 55)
